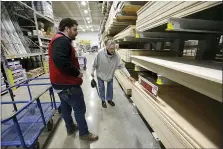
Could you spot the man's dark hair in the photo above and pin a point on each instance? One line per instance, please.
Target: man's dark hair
(67, 22)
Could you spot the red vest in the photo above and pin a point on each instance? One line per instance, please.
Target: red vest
(56, 75)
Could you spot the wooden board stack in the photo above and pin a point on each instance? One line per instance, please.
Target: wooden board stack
(189, 121)
(203, 77)
(124, 82)
(126, 54)
(155, 13)
(127, 32)
(106, 6)
(121, 15)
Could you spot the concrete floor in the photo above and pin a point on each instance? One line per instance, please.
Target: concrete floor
(117, 127)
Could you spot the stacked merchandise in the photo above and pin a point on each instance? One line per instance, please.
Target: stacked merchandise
(36, 61)
(3, 85)
(45, 8)
(106, 6)
(121, 15)
(189, 121)
(126, 54)
(35, 72)
(18, 73)
(156, 13)
(154, 84)
(127, 32)
(45, 36)
(47, 63)
(190, 48)
(219, 55)
(13, 40)
(124, 82)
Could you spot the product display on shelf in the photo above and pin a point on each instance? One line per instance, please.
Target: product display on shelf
(156, 13)
(46, 63)
(84, 45)
(12, 36)
(126, 54)
(124, 82)
(45, 8)
(26, 33)
(35, 72)
(3, 85)
(18, 73)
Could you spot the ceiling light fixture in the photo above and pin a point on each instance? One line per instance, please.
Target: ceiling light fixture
(85, 11)
(83, 3)
(88, 21)
(92, 29)
(83, 30)
(88, 18)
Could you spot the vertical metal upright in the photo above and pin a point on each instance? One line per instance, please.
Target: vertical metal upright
(38, 35)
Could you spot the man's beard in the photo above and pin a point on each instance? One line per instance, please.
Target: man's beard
(72, 37)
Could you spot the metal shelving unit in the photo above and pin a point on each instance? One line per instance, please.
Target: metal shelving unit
(25, 19)
(195, 38)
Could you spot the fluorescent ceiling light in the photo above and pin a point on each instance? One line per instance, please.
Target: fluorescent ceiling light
(87, 27)
(88, 18)
(92, 29)
(83, 30)
(85, 11)
(83, 3)
(88, 22)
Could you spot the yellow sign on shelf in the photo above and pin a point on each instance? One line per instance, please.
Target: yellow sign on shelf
(45, 67)
(170, 27)
(11, 80)
(137, 35)
(159, 81)
(85, 41)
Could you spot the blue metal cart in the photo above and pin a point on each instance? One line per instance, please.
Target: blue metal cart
(25, 125)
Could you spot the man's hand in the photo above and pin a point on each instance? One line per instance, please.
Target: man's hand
(131, 79)
(80, 75)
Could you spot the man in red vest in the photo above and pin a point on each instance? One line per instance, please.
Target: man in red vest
(66, 78)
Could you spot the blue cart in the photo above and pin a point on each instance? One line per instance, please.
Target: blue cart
(25, 125)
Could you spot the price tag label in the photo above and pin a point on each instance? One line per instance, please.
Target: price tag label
(155, 90)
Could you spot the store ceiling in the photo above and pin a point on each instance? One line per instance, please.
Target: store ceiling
(87, 13)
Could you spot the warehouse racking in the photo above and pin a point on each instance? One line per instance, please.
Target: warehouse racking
(175, 50)
(27, 28)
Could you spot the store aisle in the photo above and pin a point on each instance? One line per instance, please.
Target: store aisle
(117, 127)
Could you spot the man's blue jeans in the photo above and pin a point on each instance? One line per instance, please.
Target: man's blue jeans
(101, 86)
(74, 99)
